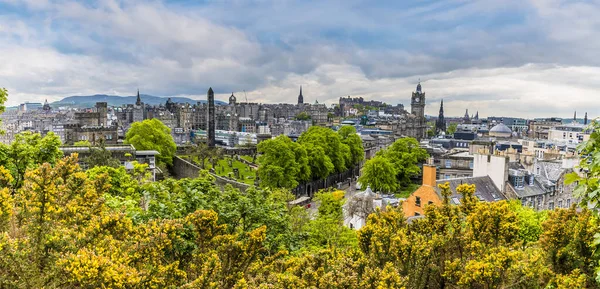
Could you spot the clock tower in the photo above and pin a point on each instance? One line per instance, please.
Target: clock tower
(417, 103)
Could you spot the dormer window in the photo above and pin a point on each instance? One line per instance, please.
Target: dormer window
(418, 201)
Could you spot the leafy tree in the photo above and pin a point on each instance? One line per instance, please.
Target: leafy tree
(100, 156)
(379, 173)
(331, 143)
(303, 116)
(451, 129)
(83, 143)
(283, 163)
(327, 230)
(152, 134)
(320, 164)
(27, 151)
(3, 99)
(405, 154)
(354, 143)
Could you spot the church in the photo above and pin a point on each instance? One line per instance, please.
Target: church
(414, 124)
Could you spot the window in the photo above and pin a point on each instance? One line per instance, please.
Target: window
(417, 214)
(470, 164)
(519, 182)
(448, 163)
(560, 204)
(430, 203)
(418, 201)
(551, 206)
(568, 203)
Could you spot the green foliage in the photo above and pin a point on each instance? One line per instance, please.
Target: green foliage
(109, 228)
(152, 134)
(404, 155)
(3, 99)
(83, 143)
(451, 129)
(283, 163)
(100, 156)
(28, 151)
(354, 143)
(303, 116)
(330, 142)
(318, 153)
(379, 173)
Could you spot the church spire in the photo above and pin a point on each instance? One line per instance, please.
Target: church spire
(575, 116)
(585, 120)
(440, 124)
(300, 96)
(477, 115)
(139, 100)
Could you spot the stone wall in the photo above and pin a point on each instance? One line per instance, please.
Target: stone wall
(184, 169)
(309, 189)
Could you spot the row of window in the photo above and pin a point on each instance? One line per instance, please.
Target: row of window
(448, 164)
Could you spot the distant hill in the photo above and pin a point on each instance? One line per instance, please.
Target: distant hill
(84, 101)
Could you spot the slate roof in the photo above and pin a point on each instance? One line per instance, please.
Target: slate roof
(485, 189)
(528, 190)
(550, 171)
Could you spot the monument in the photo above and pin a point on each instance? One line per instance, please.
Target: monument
(211, 119)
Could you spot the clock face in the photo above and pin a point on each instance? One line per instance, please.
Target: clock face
(417, 99)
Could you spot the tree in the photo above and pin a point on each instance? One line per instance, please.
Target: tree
(100, 156)
(283, 163)
(451, 128)
(3, 99)
(379, 174)
(152, 134)
(83, 143)
(303, 116)
(27, 151)
(354, 143)
(201, 151)
(331, 143)
(320, 164)
(405, 154)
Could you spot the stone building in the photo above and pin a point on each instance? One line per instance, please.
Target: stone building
(414, 124)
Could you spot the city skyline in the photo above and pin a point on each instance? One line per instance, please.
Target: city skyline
(496, 57)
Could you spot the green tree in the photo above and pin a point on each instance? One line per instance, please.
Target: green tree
(27, 151)
(331, 142)
(152, 134)
(451, 129)
(320, 164)
(100, 156)
(327, 230)
(83, 143)
(354, 143)
(283, 163)
(379, 173)
(303, 116)
(3, 99)
(405, 154)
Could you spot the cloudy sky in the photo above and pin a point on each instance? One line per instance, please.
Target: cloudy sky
(528, 58)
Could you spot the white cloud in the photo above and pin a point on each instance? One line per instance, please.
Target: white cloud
(114, 47)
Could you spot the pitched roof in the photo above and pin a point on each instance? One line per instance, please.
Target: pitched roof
(485, 189)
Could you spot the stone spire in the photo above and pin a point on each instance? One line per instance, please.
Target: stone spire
(575, 116)
(585, 120)
(300, 97)
(466, 117)
(440, 124)
(139, 100)
(477, 115)
(210, 131)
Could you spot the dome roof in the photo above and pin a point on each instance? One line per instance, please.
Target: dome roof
(501, 128)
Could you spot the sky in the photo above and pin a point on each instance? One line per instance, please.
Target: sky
(522, 58)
